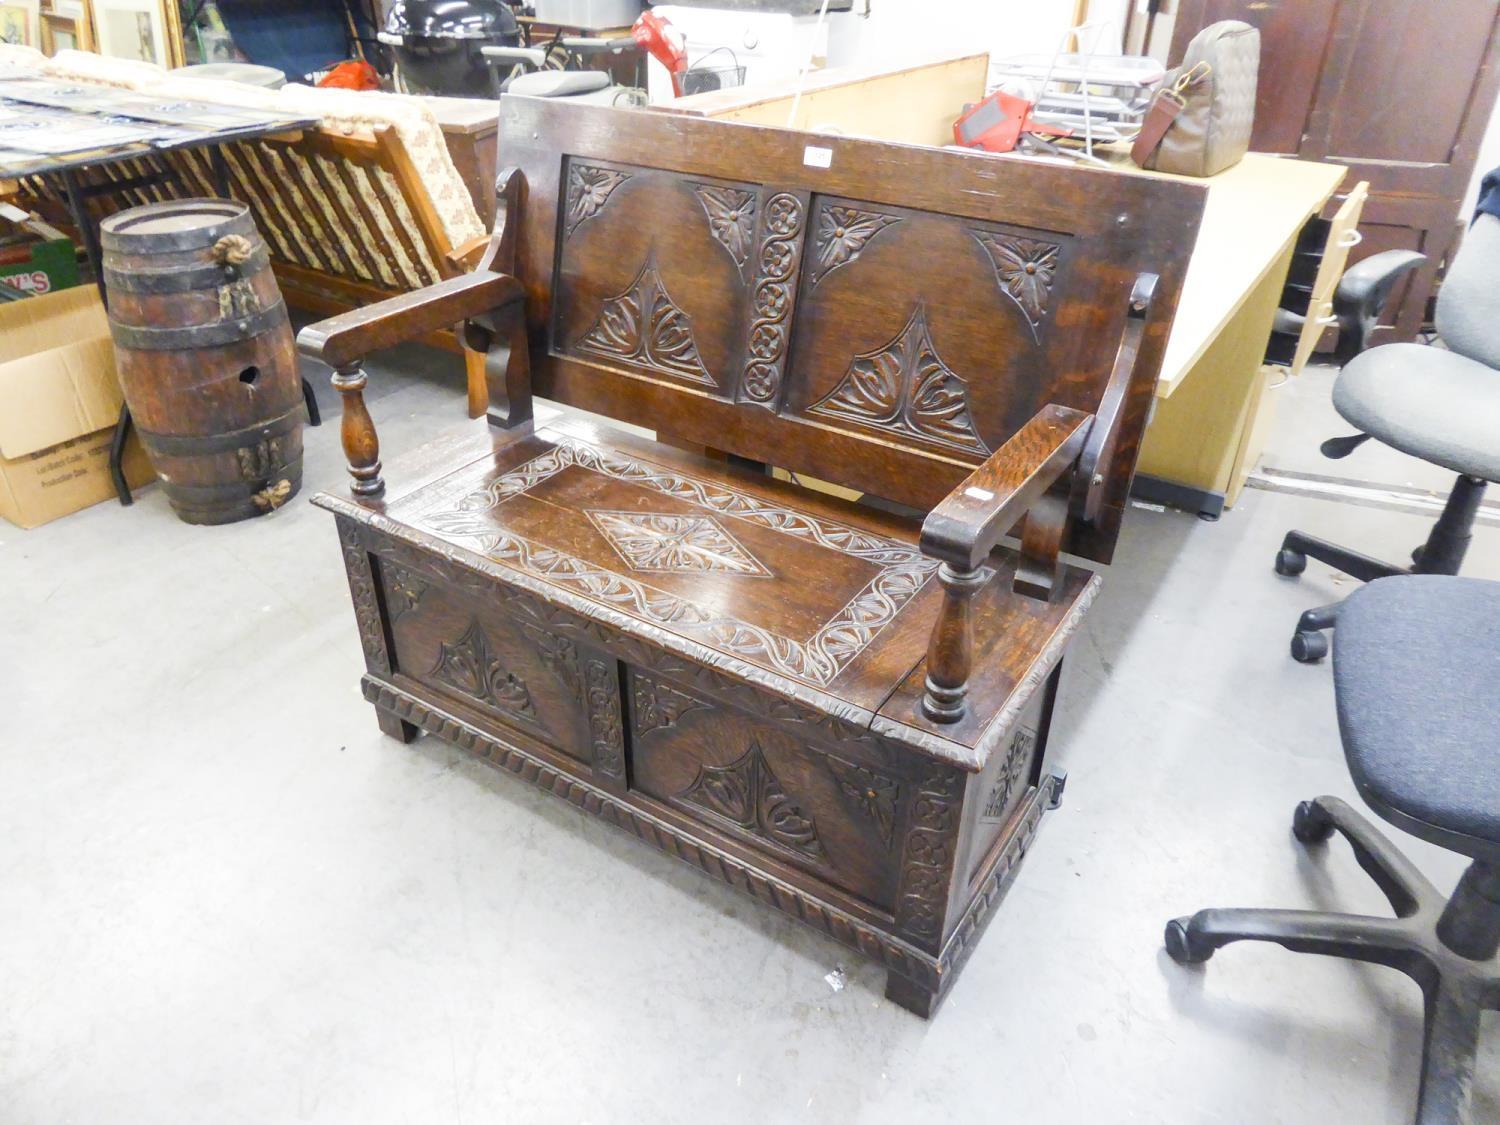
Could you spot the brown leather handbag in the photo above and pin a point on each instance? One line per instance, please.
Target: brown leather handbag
(1199, 123)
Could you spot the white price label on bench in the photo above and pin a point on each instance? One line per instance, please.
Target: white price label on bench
(979, 494)
(816, 156)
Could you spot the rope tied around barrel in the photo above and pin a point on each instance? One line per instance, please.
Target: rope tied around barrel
(269, 499)
(232, 250)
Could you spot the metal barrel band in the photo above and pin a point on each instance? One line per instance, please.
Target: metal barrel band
(207, 495)
(199, 335)
(187, 445)
(182, 281)
(115, 236)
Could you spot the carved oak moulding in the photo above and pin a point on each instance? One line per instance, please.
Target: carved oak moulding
(733, 663)
(841, 712)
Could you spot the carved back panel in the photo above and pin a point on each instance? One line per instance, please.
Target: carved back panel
(882, 316)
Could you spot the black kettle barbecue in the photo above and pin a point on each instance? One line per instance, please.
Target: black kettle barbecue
(437, 43)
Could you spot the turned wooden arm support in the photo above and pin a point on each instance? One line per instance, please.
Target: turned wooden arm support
(1054, 470)
(1017, 482)
(492, 301)
(488, 307)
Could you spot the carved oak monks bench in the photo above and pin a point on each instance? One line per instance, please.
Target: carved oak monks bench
(842, 711)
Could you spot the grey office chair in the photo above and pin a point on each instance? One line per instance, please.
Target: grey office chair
(1442, 405)
(1415, 664)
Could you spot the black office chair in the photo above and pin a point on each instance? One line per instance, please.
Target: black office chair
(1415, 663)
(1439, 404)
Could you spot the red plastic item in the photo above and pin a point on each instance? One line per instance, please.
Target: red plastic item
(996, 123)
(356, 74)
(664, 43)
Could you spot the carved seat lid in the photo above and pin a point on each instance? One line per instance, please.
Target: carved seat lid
(825, 601)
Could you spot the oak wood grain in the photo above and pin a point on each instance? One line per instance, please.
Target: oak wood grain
(353, 335)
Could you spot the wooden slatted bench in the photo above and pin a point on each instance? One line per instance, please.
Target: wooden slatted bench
(841, 710)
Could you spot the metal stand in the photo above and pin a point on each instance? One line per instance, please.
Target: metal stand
(1447, 946)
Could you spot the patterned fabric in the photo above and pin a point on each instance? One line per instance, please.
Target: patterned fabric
(345, 112)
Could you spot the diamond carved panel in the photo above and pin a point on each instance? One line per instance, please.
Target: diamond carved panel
(675, 544)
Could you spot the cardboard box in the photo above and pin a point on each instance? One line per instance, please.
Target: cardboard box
(40, 267)
(59, 399)
(36, 258)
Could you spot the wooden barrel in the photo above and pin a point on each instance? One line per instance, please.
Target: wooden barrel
(205, 355)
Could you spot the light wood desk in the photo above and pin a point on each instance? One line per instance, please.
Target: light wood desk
(1212, 413)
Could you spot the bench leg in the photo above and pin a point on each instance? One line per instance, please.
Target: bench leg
(396, 727)
(914, 997)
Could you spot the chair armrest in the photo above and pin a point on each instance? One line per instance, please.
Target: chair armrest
(492, 303)
(1362, 293)
(965, 527)
(1054, 469)
(347, 338)
(488, 309)
(1028, 477)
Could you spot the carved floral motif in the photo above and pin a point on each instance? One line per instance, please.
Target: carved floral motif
(770, 331)
(469, 665)
(675, 544)
(906, 386)
(750, 795)
(731, 218)
(589, 189)
(757, 691)
(659, 705)
(766, 888)
(872, 794)
(922, 901)
(403, 589)
(842, 234)
(818, 659)
(643, 325)
(1024, 268)
(603, 704)
(560, 655)
(1012, 770)
(366, 601)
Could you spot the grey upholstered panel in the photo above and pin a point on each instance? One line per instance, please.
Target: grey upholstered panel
(1416, 666)
(1431, 403)
(1468, 310)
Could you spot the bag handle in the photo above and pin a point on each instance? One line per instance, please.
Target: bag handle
(1168, 103)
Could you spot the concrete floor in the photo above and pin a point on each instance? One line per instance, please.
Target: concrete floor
(224, 897)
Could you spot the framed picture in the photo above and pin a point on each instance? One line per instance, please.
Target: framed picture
(142, 30)
(60, 33)
(71, 26)
(20, 22)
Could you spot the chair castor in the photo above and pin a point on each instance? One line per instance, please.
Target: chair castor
(1308, 647)
(1289, 564)
(1179, 945)
(1311, 824)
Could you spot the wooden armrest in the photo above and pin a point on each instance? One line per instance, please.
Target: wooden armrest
(488, 306)
(493, 302)
(964, 528)
(1054, 469)
(346, 339)
(1021, 479)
